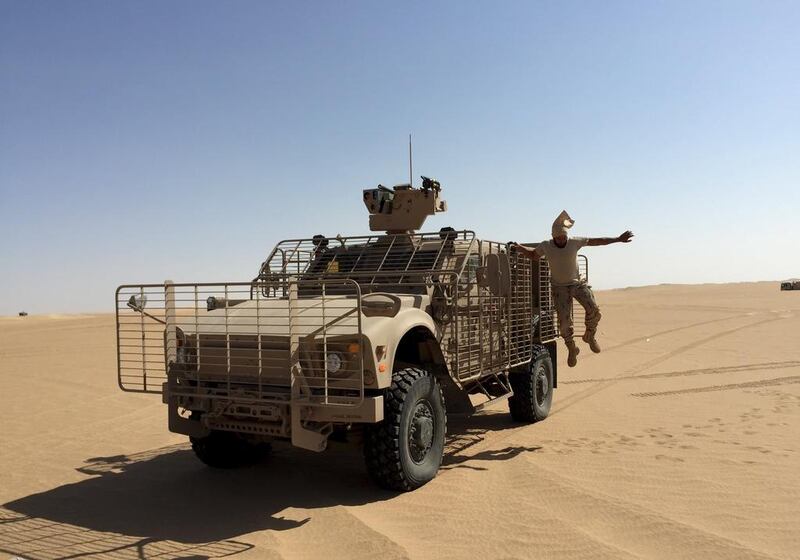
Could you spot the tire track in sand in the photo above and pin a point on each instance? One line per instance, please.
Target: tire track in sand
(675, 329)
(605, 514)
(701, 371)
(760, 383)
(492, 440)
(591, 391)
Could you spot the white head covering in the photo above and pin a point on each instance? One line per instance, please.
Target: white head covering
(562, 224)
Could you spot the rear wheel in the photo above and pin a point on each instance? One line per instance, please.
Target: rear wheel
(533, 390)
(405, 450)
(227, 450)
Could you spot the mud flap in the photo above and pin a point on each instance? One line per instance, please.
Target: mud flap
(456, 399)
(313, 440)
(180, 425)
(552, 350)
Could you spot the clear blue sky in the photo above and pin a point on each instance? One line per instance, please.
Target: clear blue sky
(148, 140)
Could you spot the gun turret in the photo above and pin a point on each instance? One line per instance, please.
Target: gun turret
(403, 208)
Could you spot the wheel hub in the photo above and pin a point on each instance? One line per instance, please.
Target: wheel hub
(542, 386)
(420, 433)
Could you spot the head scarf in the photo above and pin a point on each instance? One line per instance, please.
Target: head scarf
(562, 224)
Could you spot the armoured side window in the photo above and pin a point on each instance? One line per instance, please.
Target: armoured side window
(472, 268)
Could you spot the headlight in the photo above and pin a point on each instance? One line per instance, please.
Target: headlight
(333, 362)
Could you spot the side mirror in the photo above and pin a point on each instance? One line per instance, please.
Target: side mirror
(137, 303)
(481, 277)
(505, 275)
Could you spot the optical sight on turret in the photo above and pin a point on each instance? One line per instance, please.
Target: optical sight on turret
(403, 208)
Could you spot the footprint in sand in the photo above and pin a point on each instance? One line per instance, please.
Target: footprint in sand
(759, 449)
(668, 458)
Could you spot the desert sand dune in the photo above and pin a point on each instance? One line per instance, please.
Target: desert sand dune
(680, 440)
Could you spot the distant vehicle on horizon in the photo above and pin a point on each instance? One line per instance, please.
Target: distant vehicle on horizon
(791, 284)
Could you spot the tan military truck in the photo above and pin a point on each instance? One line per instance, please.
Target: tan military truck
(384, 334)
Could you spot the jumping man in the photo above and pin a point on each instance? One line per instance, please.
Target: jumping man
(561, 253)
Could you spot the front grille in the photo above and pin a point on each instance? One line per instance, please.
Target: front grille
(251, 342)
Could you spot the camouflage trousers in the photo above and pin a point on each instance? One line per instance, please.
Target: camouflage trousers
(562, 298)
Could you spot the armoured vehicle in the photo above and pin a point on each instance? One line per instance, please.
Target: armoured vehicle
(793, 284)
(382, 335)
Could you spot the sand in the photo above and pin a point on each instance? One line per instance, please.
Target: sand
(680, 440)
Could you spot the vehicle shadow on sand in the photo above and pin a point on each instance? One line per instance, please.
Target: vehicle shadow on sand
(466, 432)
(164, 503)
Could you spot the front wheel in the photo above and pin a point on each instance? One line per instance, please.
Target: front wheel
(533, 390)
(405, 450)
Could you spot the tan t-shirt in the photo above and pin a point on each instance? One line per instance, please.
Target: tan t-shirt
(563, 261)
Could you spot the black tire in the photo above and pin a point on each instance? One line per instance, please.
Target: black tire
(227, 450)
(405, 450)
(533, 389)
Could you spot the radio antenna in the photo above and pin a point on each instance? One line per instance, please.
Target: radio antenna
(410, 166)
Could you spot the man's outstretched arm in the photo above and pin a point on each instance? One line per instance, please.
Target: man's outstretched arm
(597, 241)
(529, 252)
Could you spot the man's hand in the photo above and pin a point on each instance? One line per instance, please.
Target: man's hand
(599, 241)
